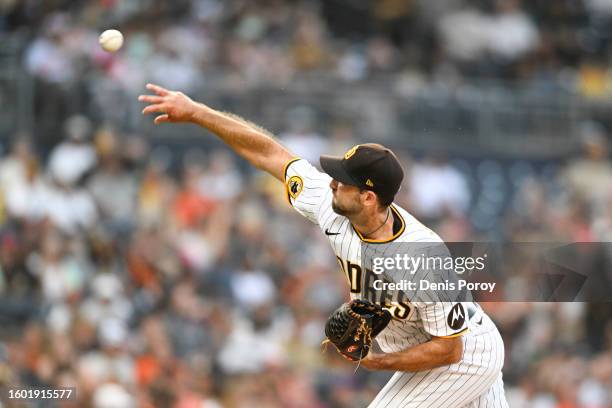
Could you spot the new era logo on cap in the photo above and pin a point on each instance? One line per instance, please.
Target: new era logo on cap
(369, 166)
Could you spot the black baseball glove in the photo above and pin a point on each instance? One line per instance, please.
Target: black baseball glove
(353, 326)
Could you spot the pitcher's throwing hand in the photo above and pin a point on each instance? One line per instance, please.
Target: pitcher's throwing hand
(173, 106)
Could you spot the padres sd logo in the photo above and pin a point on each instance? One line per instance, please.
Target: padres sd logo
(350, 152)
(295, 186)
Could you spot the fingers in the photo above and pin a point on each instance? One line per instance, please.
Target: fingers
(157, 103)
(151, 98)
(161, 119)
(158, 89)
(154, 108)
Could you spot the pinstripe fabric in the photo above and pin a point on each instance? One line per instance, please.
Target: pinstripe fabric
(494, 397)
(476, 378)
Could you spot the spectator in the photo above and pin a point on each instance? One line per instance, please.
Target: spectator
(464, 34)
(511, 33)
(73, 158)
(589, 174)
(112, 186)
(21, 182)
(192, 205)
(60, 274)
(300, 138)
(70, 209)
(437, 188)
(221, 181)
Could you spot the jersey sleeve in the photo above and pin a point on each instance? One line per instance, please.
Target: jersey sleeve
(442, 306)
(443, 319)
(307, 188)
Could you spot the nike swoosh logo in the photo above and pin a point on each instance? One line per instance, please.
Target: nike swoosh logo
(331, 233)
(479, 322)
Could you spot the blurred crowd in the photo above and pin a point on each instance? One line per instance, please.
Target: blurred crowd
(565, 43)
(146, 277)
(143, 280)
(554, 52)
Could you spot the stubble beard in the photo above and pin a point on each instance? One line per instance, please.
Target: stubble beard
(340, 210)
(337, 209)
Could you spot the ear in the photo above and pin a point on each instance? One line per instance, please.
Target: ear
(370, 198)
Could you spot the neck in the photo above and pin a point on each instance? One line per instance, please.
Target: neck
(376, 225)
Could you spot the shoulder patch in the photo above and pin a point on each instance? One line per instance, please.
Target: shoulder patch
(295, 185)
(456, 317)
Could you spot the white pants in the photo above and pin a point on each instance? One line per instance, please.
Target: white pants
(476, 381)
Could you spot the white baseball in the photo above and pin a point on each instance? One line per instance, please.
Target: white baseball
(111, 40)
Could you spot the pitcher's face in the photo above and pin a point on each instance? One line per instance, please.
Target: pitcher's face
(346, 199)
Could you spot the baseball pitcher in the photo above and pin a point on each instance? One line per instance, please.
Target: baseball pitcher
(445, 354)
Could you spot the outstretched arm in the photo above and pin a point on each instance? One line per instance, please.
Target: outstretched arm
(250, 141)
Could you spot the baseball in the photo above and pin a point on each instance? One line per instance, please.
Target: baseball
(111, 40)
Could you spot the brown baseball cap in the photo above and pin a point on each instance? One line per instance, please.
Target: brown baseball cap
(369, 166)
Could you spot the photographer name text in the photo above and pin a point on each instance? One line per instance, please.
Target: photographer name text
(424, 284)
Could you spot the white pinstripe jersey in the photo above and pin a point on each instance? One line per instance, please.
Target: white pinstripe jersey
(310, 194)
